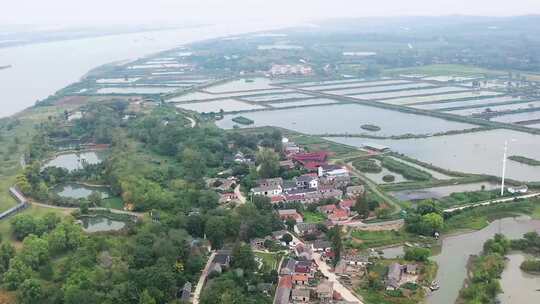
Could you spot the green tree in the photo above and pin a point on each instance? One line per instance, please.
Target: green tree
(243, 257)
(287, 238)
(84, 207)
(30, 292)
(95, 198)
(268, 162)
(362, 207)
(215, 231)
(433, 221)
(193, 165)
(417, 254)
(146, 298)
(23, 225)
(35, 251)
(7, 252)
(17, 273)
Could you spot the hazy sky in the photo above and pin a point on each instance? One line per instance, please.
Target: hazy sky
(76, 12)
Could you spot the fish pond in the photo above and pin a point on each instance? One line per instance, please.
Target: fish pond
(443, 191)
(478, 152)
(75, 161)
(348, 119)
(101, 224)
(76, 191)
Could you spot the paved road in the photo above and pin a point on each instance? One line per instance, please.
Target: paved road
(491, 202)
(202, 279)
(325, 269)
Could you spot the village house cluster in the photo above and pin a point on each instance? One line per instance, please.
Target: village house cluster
(323, 180)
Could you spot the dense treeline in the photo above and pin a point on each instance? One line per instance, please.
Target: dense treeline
(156, 164)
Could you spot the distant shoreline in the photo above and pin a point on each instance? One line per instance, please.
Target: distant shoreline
(4, 67)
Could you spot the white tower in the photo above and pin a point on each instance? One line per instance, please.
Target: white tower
(504, 167)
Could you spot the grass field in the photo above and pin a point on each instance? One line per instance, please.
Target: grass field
(313, 217)
(113, 203)
(270, 260)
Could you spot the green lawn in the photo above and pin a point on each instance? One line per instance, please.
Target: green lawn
(270, 260)
(113, 203)
(313, 217)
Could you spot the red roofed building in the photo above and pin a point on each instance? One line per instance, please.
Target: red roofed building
(347, 204)
(300, 279)
(311, 157)
(339, 215)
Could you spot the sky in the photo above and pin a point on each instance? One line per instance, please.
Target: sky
(114, 12)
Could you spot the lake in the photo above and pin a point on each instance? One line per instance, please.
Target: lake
(74, 190)
(455, 252)
(101, 224)
(39, 70)
(74, 161)
(347, 119)
(479, 152)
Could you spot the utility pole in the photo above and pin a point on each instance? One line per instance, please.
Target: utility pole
(504, 166)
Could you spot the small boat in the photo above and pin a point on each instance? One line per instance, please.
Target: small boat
(434, 286)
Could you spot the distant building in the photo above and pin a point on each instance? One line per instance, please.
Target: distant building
(321, 246)
(355, 191)
(325, 291)
(290, 69)
(305, 228)
(283, 291)
(518, 189)
(269, 191)
(332, 171)
(394, 276)
(301, 295)
(376, 147)
(290, 214)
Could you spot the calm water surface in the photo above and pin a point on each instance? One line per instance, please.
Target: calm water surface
(440, 192)
(74, 161)
(518, 286)
(347, 118)
(100, 223)
(479, 152)
(76, 191)
(39, 70)
(456, 250)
